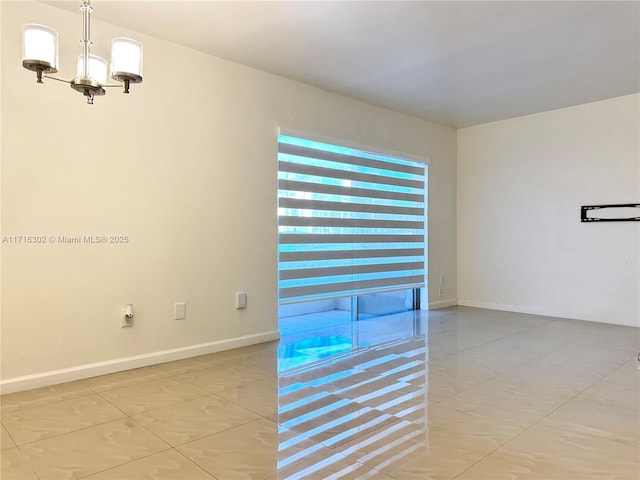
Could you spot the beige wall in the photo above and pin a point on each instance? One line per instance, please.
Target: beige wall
(186, 167)
(521, 183)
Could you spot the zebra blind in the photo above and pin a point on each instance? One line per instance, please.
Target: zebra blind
(350, 222)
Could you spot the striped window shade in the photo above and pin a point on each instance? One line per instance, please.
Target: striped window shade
(350, 222)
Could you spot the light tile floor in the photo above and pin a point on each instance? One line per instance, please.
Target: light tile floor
(457, 393)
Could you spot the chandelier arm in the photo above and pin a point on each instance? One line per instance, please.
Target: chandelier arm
(57, 79)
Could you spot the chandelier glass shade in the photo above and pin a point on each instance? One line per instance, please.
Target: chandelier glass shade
(40, 54)
(40, 47)
(97, 69)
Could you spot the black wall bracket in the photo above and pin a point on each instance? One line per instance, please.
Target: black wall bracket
(593, 216)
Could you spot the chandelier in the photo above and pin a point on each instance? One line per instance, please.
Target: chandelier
(40, 54)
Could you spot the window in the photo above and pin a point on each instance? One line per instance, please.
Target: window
(351, 222)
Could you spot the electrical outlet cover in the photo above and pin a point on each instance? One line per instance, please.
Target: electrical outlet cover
(179, 311)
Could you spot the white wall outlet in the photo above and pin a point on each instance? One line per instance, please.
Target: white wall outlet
(241, 300)
(125, 320)
(179, 311)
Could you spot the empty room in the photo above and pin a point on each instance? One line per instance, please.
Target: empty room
(388, 240)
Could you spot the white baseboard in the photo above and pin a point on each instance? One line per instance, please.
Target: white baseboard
(518, 309)
(452, 302)
(534, 311)
(502, 307)
(54, 377)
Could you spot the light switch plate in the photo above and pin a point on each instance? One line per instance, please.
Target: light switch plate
(241, 300)
(179, 311)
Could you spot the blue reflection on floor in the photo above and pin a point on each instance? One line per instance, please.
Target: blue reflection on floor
(310, 350)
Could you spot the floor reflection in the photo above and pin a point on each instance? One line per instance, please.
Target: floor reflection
(361, 395)
(505, 396)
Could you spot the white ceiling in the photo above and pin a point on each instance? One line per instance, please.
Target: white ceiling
(455, 62)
